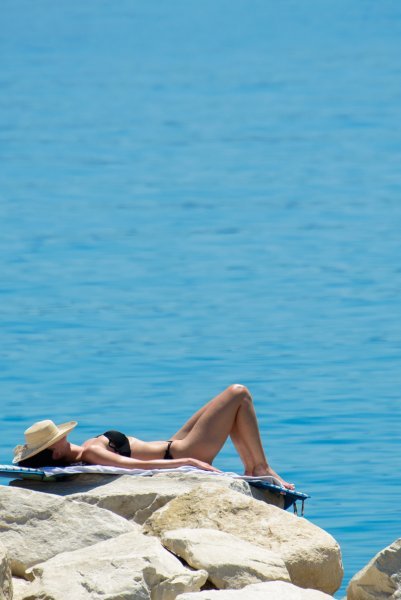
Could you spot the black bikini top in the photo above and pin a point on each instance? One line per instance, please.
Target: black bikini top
(118, 442)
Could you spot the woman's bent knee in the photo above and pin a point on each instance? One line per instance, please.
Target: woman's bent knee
(240, 391)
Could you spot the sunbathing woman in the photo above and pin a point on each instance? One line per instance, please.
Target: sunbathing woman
(196, 444)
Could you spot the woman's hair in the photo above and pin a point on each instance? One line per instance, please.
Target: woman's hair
(43, 459)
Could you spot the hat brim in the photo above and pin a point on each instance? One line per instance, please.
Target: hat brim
(23, 452)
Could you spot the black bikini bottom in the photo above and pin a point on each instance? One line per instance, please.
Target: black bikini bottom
(118, 442)
(167, 455)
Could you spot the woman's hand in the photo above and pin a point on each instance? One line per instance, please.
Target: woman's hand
(199, 464)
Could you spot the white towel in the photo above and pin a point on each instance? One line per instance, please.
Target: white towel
(74, 469)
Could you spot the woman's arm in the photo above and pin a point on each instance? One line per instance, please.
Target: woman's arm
(97, 455)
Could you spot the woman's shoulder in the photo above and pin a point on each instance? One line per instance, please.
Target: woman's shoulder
(94, 441)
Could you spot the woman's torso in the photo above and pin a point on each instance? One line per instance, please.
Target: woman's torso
(139, 449)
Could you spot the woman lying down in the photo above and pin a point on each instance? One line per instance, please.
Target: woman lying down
(196, 444)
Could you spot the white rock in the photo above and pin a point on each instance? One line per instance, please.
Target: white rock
(311, 555)
(20, 586)
(231, 562)
(380, 578)
(35, 526)
(132, 566)
(6, 586)
(137, 497)
(273, 590)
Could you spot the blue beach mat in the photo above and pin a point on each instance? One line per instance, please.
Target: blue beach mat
(12, 472)
(290, 496)
(59, 473)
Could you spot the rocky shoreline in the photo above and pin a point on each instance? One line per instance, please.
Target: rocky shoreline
(172, 535)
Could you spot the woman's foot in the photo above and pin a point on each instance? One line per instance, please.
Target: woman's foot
(261, 470)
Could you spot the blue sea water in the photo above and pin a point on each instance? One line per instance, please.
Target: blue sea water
(194, 194)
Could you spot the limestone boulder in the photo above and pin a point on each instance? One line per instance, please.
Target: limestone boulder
(273, 590)
(130, 567)
(6, 585)
(20, 588)
(35, 527)
(231, 562)
(311, 555)
(380, 578)
(137, 497)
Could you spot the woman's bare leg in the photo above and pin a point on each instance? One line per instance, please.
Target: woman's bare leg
(186, 428)
(246, 457)
(231, 413)
(245, 430)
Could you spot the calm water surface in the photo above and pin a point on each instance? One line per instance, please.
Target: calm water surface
(196, 194)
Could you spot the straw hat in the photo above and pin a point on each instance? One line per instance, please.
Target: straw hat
(40, 436)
